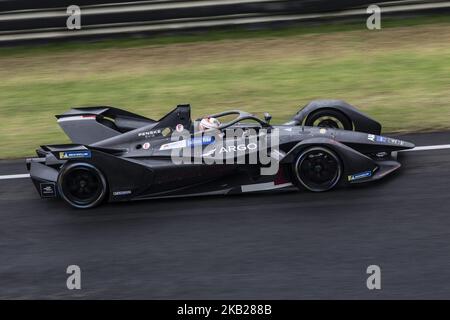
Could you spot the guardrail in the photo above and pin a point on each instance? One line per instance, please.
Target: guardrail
(113, 17)
(32, 5)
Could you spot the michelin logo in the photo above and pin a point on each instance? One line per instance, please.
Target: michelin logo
(75, 154)
(361, 175)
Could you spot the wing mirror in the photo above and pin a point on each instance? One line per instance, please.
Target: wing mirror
(267, 117)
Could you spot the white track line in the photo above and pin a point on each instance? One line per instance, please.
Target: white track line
(15, 176)
(422, 148)
(425, 148)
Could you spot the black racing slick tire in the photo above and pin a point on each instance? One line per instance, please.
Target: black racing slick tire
(82, 185)
(329, 118)
(317, 169)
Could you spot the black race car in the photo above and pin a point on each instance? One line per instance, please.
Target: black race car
(117, 155)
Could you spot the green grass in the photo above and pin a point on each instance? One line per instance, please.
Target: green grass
(399, 75)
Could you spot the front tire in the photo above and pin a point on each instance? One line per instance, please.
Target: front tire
(329, 118)
(81, 185)
(317, 169)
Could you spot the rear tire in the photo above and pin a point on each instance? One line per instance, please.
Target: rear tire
(317, 169)
(81, 185)
(329, 118)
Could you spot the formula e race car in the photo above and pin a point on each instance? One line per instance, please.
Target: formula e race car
(116, 155)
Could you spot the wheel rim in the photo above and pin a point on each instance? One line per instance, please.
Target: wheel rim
(82, 185)
(328, 122)
(318, 169)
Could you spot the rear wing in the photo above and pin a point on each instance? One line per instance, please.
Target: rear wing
(86, 125)
(93, 125)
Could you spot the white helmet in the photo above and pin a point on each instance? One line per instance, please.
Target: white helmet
(209, 123)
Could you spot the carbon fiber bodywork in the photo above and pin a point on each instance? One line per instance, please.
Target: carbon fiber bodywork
(134, 153)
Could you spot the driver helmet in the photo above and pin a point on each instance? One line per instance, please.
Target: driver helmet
(209, 123)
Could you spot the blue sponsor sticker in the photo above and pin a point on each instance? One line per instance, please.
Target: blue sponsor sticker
(376, 138)
(361, 175)
(76, 154)
(382, 139)
(200, 141)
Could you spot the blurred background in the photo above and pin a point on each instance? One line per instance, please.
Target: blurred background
(256, 55)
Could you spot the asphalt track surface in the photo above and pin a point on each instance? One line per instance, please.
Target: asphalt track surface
(267, 246)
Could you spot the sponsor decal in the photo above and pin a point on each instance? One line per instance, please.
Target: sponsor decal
(76, 154)
(149, 134)
(146, 146)
(256, 147)
(239, 147)
(179, 127)
(209, 153)
(173, 145)
(200, 141)
(197, 141)
(360, 175)
(382, 139)
(395, 141)
(48, 190)
(121, 193)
